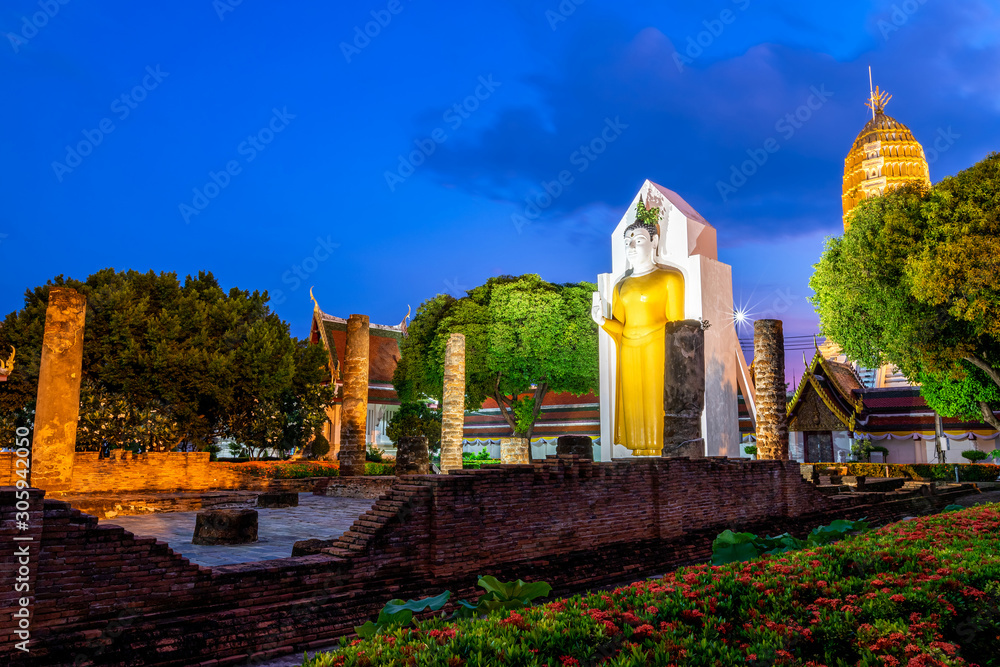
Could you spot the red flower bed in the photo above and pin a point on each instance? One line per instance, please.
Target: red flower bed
(916, 593)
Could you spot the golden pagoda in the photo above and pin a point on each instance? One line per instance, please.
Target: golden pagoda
(885, 156)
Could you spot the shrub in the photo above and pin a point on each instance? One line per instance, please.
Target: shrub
(944, 472)
(974, 455)
(730, 547)
(374, 455)
(919, 592)
(476, 465)
(863, 450)
(320, 446)
(498, 595)
(287, 469)
(399, 613)
(380, 469)
(751, 450)
(484, 455)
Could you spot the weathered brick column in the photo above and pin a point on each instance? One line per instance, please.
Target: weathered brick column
(354, 413)
(769, 379)
(453, 408)
(58, 407)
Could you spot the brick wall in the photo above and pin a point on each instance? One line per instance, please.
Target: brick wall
(8, 477)
(374, 486)
(106, 597)
(155, 471)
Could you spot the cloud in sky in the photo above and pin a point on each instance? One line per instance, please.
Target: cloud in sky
(451, 221)
(692, 126)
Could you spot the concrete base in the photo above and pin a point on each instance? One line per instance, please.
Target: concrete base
(514, 450)
(693, 449)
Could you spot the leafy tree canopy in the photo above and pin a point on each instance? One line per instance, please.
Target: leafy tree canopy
(524, 337)
(416, 419)
(915, 282)
(167, 362)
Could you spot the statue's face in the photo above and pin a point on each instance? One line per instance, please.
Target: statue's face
(639, 247)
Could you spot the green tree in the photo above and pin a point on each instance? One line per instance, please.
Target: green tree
(166, 363)
(524, 338)
(913, 282)
(416, 419)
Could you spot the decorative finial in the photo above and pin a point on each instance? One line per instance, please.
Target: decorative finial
(404, 325)
(877, 101)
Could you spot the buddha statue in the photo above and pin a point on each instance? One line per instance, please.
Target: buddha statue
(644, 301)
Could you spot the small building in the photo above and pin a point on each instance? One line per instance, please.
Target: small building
(384, 355)
(831, 409)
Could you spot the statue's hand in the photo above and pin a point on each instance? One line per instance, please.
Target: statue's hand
(597, 314)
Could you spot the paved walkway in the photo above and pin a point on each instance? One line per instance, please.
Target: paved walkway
(317, 517)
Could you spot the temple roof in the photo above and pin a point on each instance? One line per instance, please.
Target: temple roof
(885, 129)
(899, 413)
(383, 341)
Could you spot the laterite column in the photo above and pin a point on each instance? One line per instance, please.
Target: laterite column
(354, 413)
(453, 408)
(57, 410)
(769, 379)
(683, 389)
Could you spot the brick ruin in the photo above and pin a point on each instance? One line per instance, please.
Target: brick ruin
(103, 596)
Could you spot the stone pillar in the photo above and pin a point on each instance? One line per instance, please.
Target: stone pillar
(453, 408)
(683, 389)
(769, 379)
(57, 410)
(515, 450)
(331, 431)
(412, 457)
(354, 413)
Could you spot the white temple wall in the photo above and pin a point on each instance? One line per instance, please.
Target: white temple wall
(720, 421)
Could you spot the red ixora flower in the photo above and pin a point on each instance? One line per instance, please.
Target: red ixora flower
(568, 661)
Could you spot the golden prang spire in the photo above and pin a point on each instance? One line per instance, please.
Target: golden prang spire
(885, 156)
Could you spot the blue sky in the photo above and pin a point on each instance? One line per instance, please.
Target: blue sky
(252, 138)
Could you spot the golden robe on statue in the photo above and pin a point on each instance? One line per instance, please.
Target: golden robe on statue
(641, 307)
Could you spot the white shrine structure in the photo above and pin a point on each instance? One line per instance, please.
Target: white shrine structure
(687, 243)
